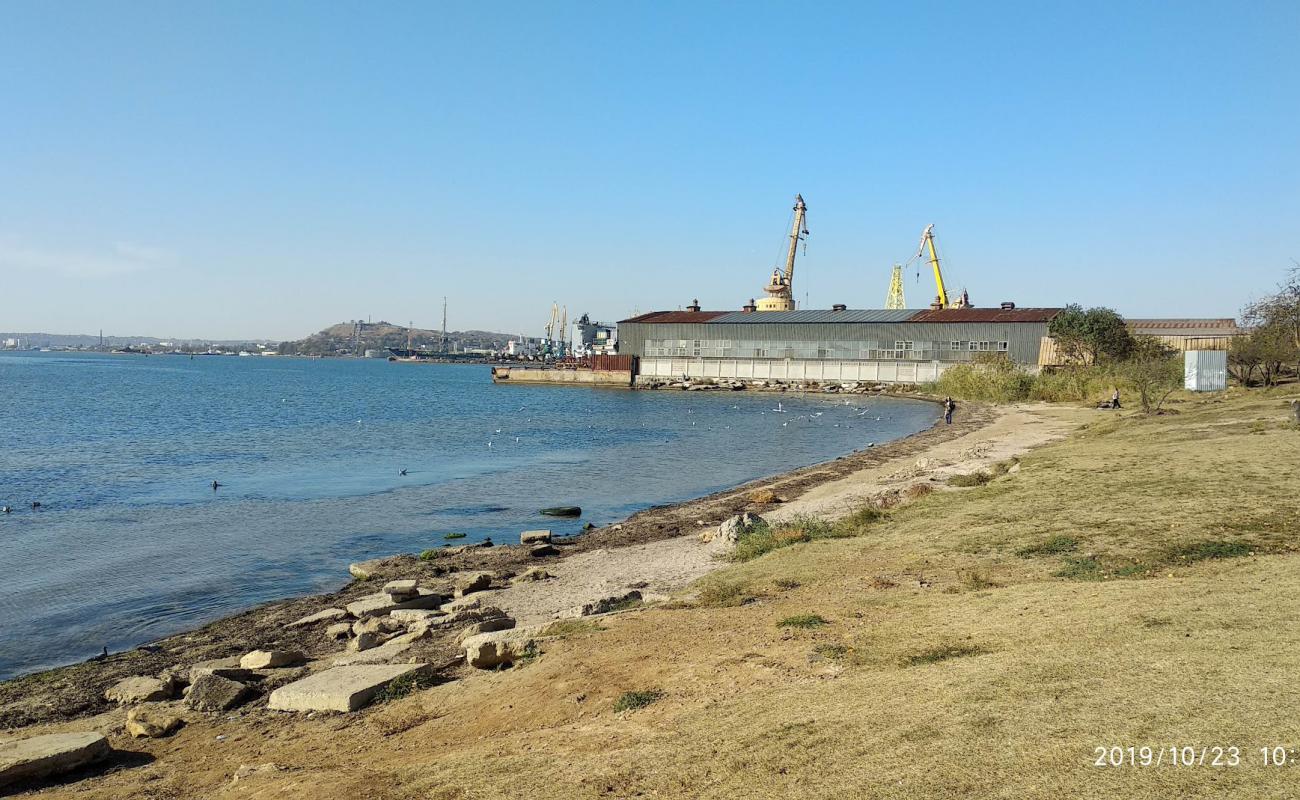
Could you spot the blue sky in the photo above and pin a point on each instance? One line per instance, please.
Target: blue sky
(265, 169)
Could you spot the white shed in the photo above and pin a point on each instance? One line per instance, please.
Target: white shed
(1205, 370)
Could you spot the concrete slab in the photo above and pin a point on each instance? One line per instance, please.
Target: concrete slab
(340, 688)
(374, 604)
(49, 755)
(327, 615)
(383, 653)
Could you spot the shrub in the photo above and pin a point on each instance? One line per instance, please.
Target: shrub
(803, 621)
(430, 555)
(992, 377)
(763, 539)
(787, 583)
(630, 701)
(917, 490)
(762, 497)
(834, 652)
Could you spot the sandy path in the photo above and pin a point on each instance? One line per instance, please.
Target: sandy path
(665, 566)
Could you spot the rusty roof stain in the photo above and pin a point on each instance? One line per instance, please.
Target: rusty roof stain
(985, 315)
(675, 316)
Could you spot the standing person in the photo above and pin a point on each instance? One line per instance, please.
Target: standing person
(948, 407)
(1114, 398)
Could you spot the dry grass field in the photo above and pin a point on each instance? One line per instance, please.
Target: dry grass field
(1135, 585)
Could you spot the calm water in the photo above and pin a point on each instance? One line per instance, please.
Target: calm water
(132, 543)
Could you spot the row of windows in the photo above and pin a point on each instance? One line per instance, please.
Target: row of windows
(864, 350)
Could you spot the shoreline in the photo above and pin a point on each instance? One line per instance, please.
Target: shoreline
(76, 690)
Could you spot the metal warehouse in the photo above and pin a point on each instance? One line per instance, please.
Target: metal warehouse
(885, 346)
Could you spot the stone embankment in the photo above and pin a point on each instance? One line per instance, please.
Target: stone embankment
(378, 645)
(773, 385)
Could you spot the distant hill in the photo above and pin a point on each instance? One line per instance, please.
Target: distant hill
(354, 338)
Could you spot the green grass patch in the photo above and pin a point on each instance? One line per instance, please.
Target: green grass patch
(763, 539)
(724, 593)
(431, 554)
(631, 701)
(568, 628)
(1081, 569)
(787, 583)
(1207, 550)
(831, 652)
(453, 536)
(803, 621)
(943, 652)
(970, 479)
(406, 685)
(1051, 546)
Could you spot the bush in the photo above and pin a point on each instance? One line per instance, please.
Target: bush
(992, 377)
(630, 701)
(763, 539)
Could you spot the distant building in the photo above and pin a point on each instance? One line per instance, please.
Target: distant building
(1188, 334)
(843, 345)
(593, 338)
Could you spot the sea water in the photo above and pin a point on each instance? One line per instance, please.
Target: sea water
(131, 542)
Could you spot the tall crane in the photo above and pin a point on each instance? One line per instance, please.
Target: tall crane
(780, 288)
(941, 299)
(895, 298)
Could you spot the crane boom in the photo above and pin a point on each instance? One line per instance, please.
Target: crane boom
(780, 289)
(927, 242)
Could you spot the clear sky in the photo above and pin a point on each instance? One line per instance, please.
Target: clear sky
(264, 169)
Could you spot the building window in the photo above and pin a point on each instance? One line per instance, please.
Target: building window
(902, 345)
(954, 345)
(1002, 346)
(974, 346)
(984, 346)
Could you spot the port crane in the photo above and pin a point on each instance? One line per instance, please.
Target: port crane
(941, 299)
(780, 289)
(895, 297)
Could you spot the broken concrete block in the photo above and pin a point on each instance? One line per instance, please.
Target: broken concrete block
(49, 755)
(544, 551)
(381, 603)
(225, 667)
(339, 630)
(531, 574)
(269, 659)
(486, 626)
(214, 693)
(408, 616)
(473, 582)
(404, 589)
(488, 650)
(345, 688)
(150, 722)
(140, 689)
(535, 537)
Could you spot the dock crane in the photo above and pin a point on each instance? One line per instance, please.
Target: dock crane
(780, 289)
(941, 299)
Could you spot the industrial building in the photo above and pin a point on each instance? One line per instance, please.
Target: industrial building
(843, 345)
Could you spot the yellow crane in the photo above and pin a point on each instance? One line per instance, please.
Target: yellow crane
(780, 289)
(941, 299)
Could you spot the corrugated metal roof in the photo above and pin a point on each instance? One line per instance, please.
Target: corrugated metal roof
(813, 316)
(1221, 325)
(985, 315)
(676, 316)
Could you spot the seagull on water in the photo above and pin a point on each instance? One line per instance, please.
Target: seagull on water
(403, 472)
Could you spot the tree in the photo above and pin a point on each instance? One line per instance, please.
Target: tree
(1154, 371)
(1273, 334)
(1090, 336)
